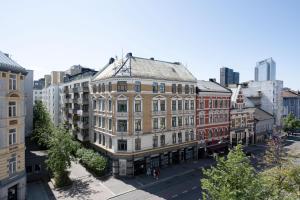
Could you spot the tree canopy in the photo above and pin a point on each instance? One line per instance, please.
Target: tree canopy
(291, 123)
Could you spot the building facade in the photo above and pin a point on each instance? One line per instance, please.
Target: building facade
(29, 102)
(76, 103)
(270, 97)
(242, 119)
(51, 101)
(212, 116)
(228, 76)
(143, 114)
(263, 125)
(12, 129)
(265, 70)
(291, 103)
(38, 90)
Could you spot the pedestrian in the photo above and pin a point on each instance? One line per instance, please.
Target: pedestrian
(158, 173)
(154, 173)
(148, 171)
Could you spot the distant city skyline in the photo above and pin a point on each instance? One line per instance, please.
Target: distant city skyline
(200, 34)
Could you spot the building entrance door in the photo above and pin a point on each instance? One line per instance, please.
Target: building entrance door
(13, 193)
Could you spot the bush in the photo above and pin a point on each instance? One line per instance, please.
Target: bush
(92, 161)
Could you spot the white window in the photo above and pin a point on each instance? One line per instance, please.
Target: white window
(12, 109)
(138, 125)
(162, 122)
(122, 106)
(155, 123)
(109, 124)
(12, 136)
(155, 105)
(138, 106)
(12, 165)
(12, 82)
(109, 105)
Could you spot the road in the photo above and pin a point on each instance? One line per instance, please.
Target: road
(185, 187)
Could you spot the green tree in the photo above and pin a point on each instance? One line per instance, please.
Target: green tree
(42, 125)
(291, 123)
(281, 178)
(60, 155)
(232, 179)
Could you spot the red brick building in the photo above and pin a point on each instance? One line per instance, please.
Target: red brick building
(212, 116)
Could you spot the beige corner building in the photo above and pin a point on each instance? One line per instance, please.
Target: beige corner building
(12, 129)
(144, 114)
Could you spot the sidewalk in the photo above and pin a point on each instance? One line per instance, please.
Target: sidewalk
(85, 186)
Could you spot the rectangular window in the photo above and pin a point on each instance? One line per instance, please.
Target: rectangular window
(179, 137)
(138, 125)
(95, 121)
(122, 86)
(104, 140)
(186, 121)
(173, 88)
(109, 87)
(94, 105)
(95, 136)
(12, 82)
(192, 135)
(137, 86)
(216, 104)
(137, 106)
(174, 122)
(186, 89)
(174, 138)
(122, 145)
(110, 143)
(173, 105)
(155, 123)
(192, 105)
(192, 120)
(187, 138)
(103, 105)
(179, 104)
(12, 136)
(12, 109)
(155, 105)
(162, 105)
(162, 88)
(201, 103)
(122, 106)
(103, 122)
(155, 87)
(155, 141)
(162, 122)
(186, 104)
(109, 105)
(109, 124)
(137, 143)
(201, 119)
(179, 89)
(179, 121)
(99, 121)
(12, 165)
(162, 140)
(100, 138)
(122, 126)
(192, 89)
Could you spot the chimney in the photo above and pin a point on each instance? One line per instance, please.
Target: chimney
(6, 54)
(213, 80)
(151, 58)
(129, 55)
(111, 60)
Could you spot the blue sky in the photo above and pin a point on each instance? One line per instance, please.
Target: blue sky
(204, 35)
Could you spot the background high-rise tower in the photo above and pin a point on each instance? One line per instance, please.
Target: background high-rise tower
(265, 70)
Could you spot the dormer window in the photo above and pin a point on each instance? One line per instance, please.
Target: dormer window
(122, 86)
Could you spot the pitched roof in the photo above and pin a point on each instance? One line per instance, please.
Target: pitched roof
(261, 115)
(288, 93)
(209, 86)
(146, 68)
(7, 64)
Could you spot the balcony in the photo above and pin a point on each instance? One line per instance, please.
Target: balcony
(83, 101)
(75, 90)
(66, 90)
(83, 125)
(84, 89)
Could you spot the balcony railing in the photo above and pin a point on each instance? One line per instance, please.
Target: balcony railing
(75, 89)
(84, 89)
(83, 101)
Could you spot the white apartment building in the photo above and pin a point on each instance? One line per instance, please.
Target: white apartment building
(51, 101)
(268, 95)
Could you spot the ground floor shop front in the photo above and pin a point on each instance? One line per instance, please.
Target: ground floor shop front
(13, 188)
(139, 164)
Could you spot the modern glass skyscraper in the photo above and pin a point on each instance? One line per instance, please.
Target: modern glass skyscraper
(228, 76)
(265, 70)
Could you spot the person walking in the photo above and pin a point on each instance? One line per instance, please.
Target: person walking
(154, 173)
(157, 173)
(148, 171)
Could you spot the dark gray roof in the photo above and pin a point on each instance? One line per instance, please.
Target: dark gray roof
(146, 68)
(7, 64)
(209, 86)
